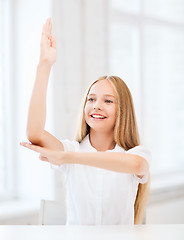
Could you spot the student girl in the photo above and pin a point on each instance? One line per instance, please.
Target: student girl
(105, 167)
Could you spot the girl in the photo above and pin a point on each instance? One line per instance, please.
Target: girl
(106, 169)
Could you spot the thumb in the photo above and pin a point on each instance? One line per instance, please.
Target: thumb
(43, 158)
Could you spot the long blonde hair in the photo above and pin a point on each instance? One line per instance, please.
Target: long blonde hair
(125, 135)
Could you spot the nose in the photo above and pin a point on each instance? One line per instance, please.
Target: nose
(97, 108)
(97, 105)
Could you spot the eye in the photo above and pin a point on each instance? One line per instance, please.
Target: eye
(90, 99)
(108, 101)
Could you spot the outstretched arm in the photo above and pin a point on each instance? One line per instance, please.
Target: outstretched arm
(113, 161)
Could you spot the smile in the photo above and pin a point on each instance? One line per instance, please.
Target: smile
(99, 117)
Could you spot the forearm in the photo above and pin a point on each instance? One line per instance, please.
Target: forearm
(113, 161)
(37, 108)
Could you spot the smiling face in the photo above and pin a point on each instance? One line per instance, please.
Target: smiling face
(100, 108)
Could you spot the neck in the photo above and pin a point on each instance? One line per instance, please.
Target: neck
(102, 141)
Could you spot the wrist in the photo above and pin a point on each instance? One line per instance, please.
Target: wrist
(69, 157)
(45, 64)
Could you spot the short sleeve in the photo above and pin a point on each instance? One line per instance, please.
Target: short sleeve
(146, 154)
(69, 145)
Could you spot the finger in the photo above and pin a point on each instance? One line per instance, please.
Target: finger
(35, 148)
(47, 28)
(53, 41)
(43, 33)
(30, 146)
(44, 29)
(50, 27)
(43, 158)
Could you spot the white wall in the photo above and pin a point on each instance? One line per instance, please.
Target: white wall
(170, 211)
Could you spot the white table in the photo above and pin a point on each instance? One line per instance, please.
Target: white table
(111, 232)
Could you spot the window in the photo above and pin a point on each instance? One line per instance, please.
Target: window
(1, 115)
(146, 42)
(5, 116)
(20, 48)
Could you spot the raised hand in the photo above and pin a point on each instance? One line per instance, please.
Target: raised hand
(48, 44)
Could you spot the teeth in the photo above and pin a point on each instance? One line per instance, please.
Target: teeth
(96, 116)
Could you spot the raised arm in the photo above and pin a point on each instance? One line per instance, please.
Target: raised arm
(37, 108)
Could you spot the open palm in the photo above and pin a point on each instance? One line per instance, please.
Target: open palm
(48, 44)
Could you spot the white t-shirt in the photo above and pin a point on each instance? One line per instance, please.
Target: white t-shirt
(97, 196)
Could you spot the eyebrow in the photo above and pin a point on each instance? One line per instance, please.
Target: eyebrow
(108, 95)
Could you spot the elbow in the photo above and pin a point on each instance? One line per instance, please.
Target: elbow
(34, 138)
(142, 166)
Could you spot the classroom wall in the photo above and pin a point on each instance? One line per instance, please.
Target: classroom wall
(163, 208)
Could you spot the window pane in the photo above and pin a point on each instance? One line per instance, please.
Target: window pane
(1, 116)
(123, 49)
(1, 131)
(124, 59)
(172, 10)
(131, 6)
(163, 94)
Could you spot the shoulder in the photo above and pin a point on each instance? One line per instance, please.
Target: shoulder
(70, 145)
(141, 151)
(139, 148)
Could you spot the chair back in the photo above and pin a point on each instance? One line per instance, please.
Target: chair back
(52, 213)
